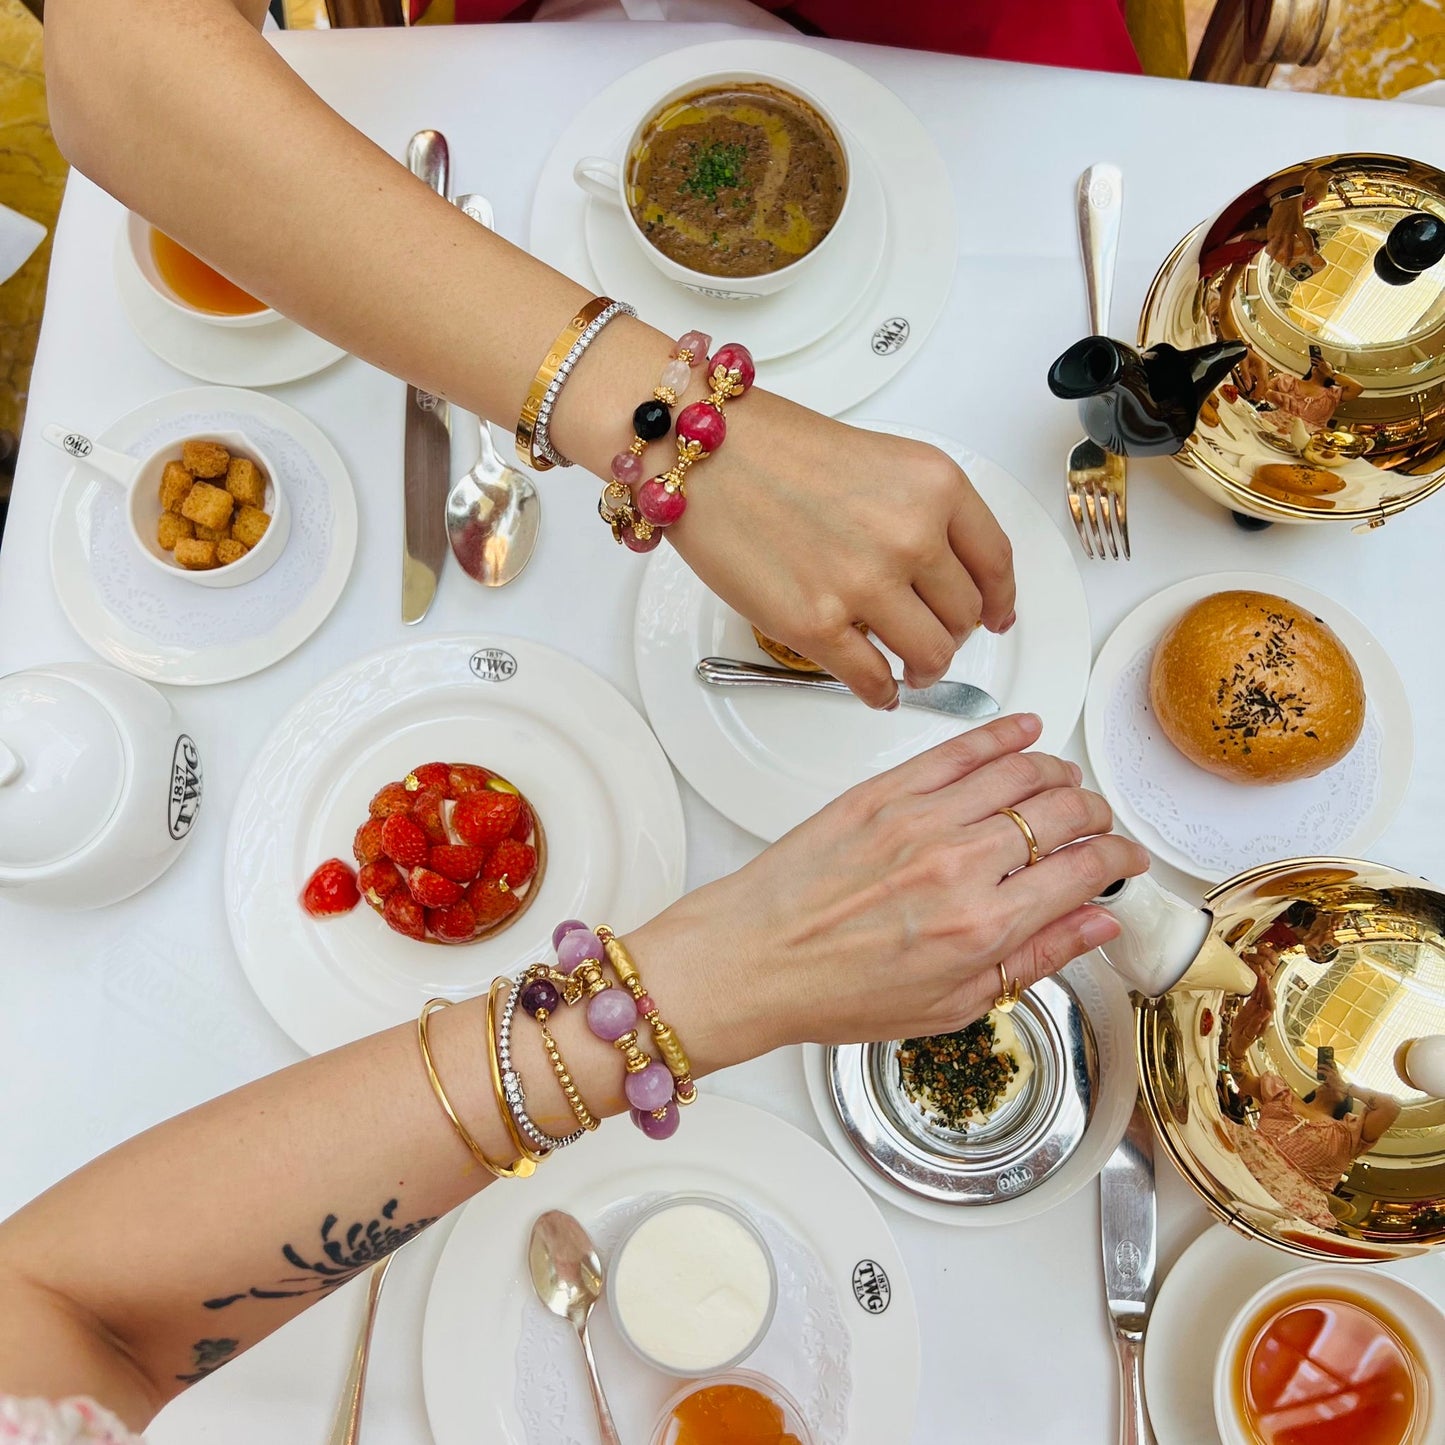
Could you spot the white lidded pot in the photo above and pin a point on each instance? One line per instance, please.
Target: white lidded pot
(1291, 1048)
(100, 785)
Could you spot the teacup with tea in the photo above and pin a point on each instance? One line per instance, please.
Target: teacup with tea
(731, 184)
(185, 283)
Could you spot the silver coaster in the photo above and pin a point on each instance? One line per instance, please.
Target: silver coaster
(1016, 1149)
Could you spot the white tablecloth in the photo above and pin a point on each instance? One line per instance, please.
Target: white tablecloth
(114, 1020)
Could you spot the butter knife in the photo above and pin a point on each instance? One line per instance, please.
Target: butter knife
(428, 456)
(1127, 1226)
(957, 699)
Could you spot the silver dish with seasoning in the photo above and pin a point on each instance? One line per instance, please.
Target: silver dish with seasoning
(1027, 1137)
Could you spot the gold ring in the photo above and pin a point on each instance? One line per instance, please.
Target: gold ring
(1022, 824)
(1011, 991)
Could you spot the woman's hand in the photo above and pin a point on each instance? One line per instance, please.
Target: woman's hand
(886, 914)
(807, 526)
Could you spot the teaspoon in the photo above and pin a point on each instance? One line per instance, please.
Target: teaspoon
(567, 1275)
(493, 510)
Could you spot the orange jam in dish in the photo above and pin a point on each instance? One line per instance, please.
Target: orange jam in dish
(728, 1415)
(196, 283)
(1326, 1369)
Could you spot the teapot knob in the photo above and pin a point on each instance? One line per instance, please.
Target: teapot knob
(9, 765)
(1421, 1064)
(1415, 244)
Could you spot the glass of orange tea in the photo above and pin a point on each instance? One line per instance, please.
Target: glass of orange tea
(186, 283)
(731, 183)
(1336, 1355)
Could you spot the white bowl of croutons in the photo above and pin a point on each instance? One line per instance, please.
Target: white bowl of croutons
(208, 508)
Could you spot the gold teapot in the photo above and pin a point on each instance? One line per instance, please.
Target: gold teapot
(1291, 1050)
(1324, 280)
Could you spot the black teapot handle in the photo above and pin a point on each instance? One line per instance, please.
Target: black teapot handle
(1415, 243)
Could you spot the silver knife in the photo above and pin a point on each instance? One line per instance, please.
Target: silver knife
(428, 458)
(957, 699)
(1127, 1226)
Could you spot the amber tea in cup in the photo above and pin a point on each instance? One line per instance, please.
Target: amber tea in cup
(197, 284)
(737, 179)
(1326, 1367)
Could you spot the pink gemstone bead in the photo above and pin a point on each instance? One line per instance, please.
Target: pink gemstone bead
(675, 376)
(651, 1089)
(696, 342)
(611, 1013)
(568, 925)
(627, 468)
(661, 507)
(655, 1128)
(645, 1004)
(577, 945)
(734, 357)
(634, 543)
(702, 424)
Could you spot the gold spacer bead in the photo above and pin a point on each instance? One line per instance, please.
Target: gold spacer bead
(665, 394)
(637, 446)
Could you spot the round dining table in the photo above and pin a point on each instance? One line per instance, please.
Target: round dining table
(113, 1020)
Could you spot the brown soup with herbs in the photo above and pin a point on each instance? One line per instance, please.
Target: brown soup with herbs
(740, 180)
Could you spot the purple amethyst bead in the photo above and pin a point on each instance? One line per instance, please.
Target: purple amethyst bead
(651, 1089)
(568, 925)
(610, 1014)
(538, 995)
(576, 946)
(655, 1128)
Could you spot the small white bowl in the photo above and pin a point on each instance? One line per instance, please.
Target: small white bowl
(138, 251)
(1421, 1319)
(142, 480)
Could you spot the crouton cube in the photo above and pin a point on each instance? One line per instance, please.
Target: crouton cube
(213, 534)
(172, 529)
(230, 551)
(195, 555)
(246, 482)
(205, 459)
(250, 525)
(208, 506)
(176, 482)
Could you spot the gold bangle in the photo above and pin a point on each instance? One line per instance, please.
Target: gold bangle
(668, 1043)
(523, 1167)
(546, 374)
(524, 1151)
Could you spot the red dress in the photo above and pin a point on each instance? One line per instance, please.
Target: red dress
(1083, 34)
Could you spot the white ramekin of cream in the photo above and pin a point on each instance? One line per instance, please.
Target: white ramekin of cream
(692, 1286)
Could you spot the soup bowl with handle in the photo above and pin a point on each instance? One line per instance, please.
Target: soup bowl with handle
(606, 181)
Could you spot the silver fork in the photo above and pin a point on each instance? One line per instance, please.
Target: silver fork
(1097, 480)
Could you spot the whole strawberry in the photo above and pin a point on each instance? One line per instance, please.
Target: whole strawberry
(404, 841)
(522, 829)
(484, 818)
(490, 902)
(429, 775)
(458, 861)
(426, 809)
(457, 924)
(378, 881)
(330, 890)
(464, 778)
(366, 846)
(511, 863)
(404, 914)
(431, 890)
(393, 798)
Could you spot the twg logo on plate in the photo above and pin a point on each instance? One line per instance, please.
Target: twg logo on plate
(870, 1286)
(184, 801)
(891, 336)
(493, 664)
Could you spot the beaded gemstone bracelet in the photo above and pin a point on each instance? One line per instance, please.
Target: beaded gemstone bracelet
(652, 420)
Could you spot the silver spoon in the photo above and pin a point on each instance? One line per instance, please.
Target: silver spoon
(567, 1276)
(493, 511)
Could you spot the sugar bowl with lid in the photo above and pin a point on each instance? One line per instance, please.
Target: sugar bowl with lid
(100, 785)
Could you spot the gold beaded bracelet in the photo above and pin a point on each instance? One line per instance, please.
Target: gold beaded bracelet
(524, 1166)
(668, 1043)
(571, 1093)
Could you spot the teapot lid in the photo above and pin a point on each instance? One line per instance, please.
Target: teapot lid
(62, 768)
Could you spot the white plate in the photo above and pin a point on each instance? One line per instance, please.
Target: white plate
(770, 757)
(775, 325)
(264, 355)
(567, 738)
(1106, 1001)
(161, 627)
(1205, 825)
(475, 1314)
(1196, 1302)
(879, 326)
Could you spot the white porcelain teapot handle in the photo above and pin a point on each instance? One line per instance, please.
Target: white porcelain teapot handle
(114, 465)
(1421, 1064)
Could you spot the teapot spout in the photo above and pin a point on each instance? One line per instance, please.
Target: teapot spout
(1209, 365)
(1161, 938)
(1088, 368)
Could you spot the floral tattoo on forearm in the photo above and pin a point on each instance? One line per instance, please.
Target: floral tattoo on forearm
(210, 1355)
(344, 1256)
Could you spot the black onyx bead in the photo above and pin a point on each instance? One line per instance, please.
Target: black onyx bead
(651, 420)
(540, 996)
